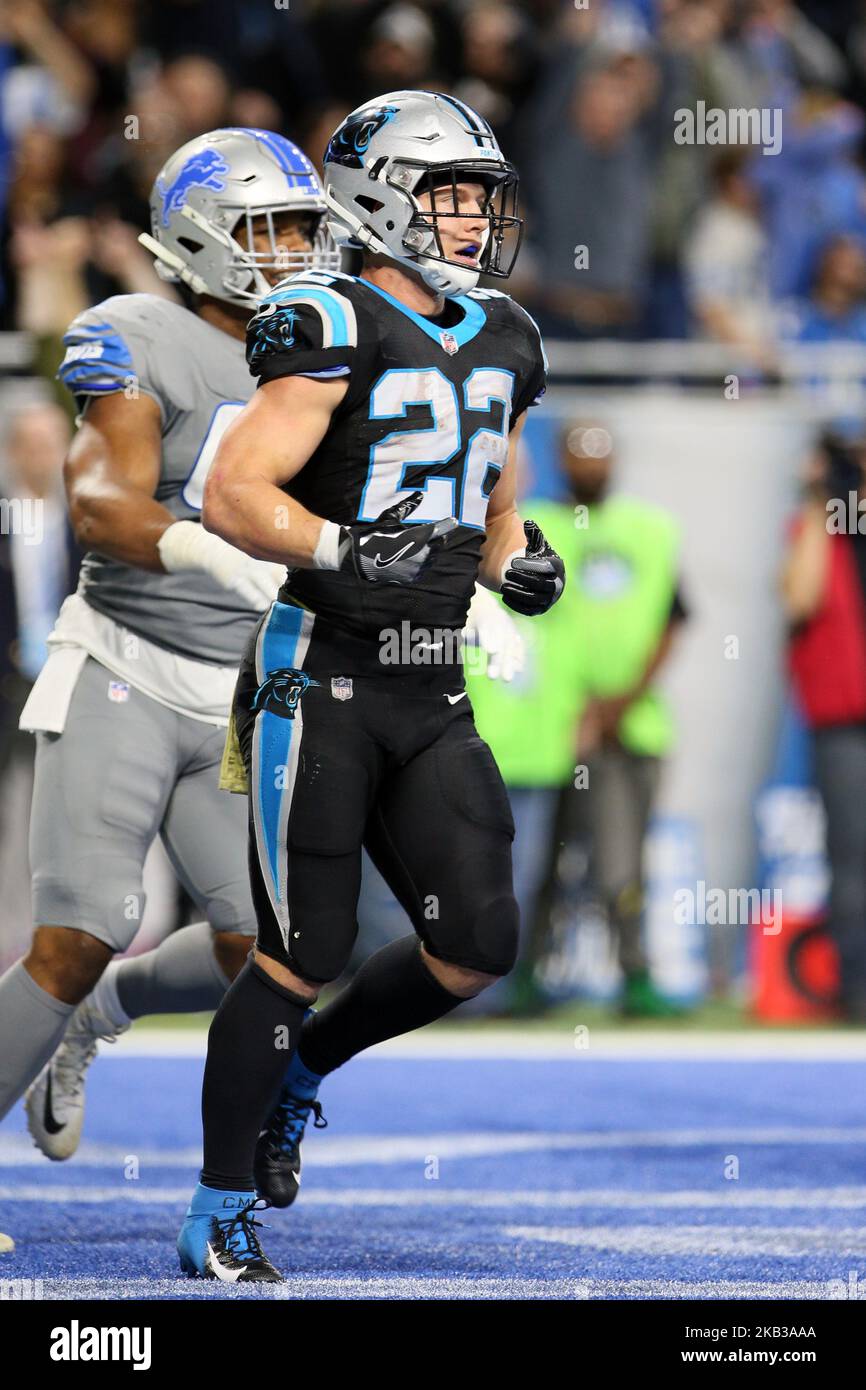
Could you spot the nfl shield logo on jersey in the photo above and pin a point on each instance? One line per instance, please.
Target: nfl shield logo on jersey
(449, 342)
(341, 687)
(118, 691)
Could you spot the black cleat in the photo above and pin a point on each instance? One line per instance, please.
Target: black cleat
(277, 1164)
(218, 1240)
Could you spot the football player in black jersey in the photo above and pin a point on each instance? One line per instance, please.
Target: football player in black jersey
(377, 461)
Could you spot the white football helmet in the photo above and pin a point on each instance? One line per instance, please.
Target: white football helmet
(391, 150)
(214, 184)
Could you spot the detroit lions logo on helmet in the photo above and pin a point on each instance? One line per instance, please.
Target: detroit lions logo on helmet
(351, 140)
(201, 170)
(281, 691)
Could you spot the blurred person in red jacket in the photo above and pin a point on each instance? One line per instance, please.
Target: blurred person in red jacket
(824, 593)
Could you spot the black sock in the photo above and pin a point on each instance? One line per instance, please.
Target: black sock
(392, 993)
(252, 1037)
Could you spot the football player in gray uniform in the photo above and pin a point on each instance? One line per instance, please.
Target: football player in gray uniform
(131, 708)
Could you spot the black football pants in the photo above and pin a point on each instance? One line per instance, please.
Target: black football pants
(393, 764)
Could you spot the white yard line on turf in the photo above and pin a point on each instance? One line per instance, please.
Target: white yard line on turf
(783, 1199)
(788, 1241)
(549, 1044)
(16, 1150)
(426, 1287)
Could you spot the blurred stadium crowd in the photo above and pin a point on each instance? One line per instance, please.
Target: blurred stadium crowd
(95, 94)
(630, 237)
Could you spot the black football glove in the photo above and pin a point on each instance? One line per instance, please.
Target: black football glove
(534, 580)
(385, 551)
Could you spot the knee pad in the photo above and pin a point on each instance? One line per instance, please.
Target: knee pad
(490, 941)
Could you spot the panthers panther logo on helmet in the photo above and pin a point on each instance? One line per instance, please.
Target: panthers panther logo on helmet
(351, 141)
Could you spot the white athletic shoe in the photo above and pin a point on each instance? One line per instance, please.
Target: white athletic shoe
(55, 1101)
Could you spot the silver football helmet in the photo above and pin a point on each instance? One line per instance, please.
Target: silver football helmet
(216, 184)
(404, 144)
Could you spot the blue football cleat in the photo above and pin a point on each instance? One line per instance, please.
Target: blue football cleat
(277, 1163)
(218, 1239)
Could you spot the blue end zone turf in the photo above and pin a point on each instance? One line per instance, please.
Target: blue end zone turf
(477, 1177)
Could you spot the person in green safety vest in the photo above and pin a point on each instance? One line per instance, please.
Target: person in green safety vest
(581, 733)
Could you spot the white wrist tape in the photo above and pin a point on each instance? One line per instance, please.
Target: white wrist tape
(326, 555)
(183, 546)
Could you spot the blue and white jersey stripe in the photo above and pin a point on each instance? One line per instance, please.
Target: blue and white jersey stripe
(97, 359)
(337, 313)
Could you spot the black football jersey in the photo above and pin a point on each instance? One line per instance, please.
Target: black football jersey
(428, 408)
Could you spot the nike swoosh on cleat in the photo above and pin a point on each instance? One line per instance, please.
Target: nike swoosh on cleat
(383, 564)
(228, 1276)
(50, 1124)
(452, 699)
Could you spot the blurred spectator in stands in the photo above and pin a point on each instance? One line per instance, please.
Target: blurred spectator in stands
(49, 262)
(38, 557)
(824, 592)
(785, 51)
(623, 571)
(726, 264)
(271, 48)
(70, 246)
(500, 63)
(199, 88)
(52, 84)
(36, 189)
(400, 50)
(64, 267)
(696, 64)
(836, 308)
(127, 161)
(812, 189)
(835, 313)
(45, 88)
(256, 110)
(105, 32)
(588, 158)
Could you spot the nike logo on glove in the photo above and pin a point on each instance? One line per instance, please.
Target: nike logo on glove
(452, 699)
(392, 559)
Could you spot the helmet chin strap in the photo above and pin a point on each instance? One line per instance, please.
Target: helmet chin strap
(440, 276)
(446, 278)
(173, 263)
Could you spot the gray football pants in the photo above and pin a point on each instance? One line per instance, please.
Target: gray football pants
(123, 771)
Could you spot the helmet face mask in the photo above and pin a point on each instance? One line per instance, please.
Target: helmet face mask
(409, 145)
(504, 233)
(228, 183)
(250, 270)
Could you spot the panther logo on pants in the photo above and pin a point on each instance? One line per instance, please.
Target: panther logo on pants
(281, 691)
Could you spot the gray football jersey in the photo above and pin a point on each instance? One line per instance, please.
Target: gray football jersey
(199, 379)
